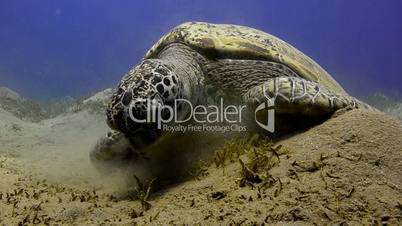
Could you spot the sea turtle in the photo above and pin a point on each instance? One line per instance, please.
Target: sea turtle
(198, 61)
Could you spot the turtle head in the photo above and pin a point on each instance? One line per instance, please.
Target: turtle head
(142, 99)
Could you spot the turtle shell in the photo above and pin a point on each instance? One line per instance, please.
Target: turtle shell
(228, 41)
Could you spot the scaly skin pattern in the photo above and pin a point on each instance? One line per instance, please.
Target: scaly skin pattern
(150, 79)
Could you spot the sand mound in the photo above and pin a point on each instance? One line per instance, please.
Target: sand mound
(346, 170)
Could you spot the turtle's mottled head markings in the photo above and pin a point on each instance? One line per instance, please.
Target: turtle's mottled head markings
(150, 83)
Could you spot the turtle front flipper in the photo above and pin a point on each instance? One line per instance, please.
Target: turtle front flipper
(112, 150)
(295, 95)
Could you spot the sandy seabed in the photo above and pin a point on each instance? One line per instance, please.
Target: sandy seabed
(346, 171)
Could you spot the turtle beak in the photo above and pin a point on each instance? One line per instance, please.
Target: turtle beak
(149, 130)
(145, 137)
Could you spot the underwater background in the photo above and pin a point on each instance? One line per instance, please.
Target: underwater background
(59, 60)
(53, 48)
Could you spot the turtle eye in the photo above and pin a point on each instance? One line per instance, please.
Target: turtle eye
(126, 98)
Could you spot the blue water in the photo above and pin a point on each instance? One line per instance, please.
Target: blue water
(54, 48)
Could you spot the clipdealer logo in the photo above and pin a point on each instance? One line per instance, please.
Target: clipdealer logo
(269, 106)
(167, 117)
